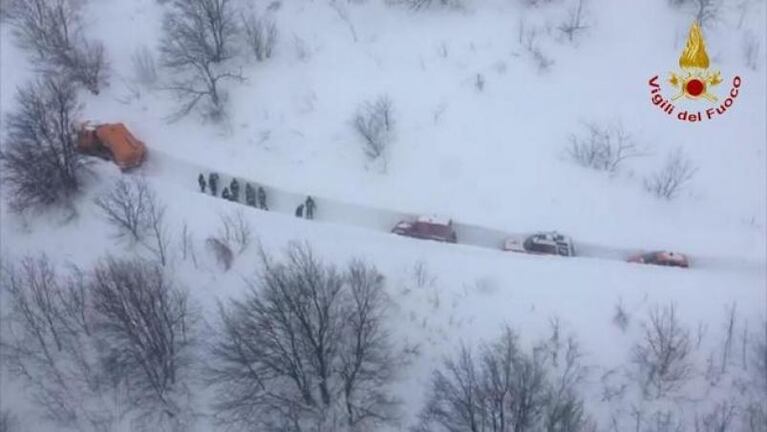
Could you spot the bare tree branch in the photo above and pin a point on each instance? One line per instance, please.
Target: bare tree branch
(144, 324)
(52, 32)
(673, 177)
(305, 349)
(41, 166)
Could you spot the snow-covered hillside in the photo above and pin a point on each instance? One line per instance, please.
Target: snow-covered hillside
(481, 136)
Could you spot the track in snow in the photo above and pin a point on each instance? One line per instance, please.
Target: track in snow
(184, 174)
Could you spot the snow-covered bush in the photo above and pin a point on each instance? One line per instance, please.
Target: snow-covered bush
(260, 35)
(662, 357)
(374, 123)
(52, 34)
(603, 148)
(198, 39)
(40, 164)
(673, 177)
(504, 389)
(306, 349)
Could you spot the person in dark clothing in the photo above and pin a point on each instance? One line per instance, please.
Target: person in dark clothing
(262, 199)
(310, 207)
(213, 183)
(300, 211)
(225, 194)
(234, 190)
(201, 181)
(250, 195)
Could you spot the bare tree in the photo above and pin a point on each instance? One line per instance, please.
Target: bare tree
(621, 318)
(576, 21)
(564, 407)
(760, 361)
(126, 207)
(41, 166)
(729, 330)
(51, 31)
(506, 389)
(159, 238)
(188, 250)
(754, 417)
(662, 356)
(46, 341)
(603, 148)
(374, 123)
(144, 324)
(261, 35)
(719, 419)
(306, 349)
(661, 421)
(8, 422)
(197, 41)
(367, 360)
(455, 400)
(673, 177)
(706, 12)
(528, 38)
(136, 212)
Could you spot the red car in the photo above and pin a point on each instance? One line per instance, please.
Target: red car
(427, 227)
(664, 258)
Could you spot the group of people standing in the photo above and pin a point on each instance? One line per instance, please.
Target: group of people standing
(307, 208)
(254, 197)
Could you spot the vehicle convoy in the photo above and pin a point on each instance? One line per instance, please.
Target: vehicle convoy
(111, 141)
(542, 243)
(664, 258)
(429, 228)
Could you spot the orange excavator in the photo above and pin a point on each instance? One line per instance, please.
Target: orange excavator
(111, 141)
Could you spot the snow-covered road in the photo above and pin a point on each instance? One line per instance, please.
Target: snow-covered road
(163, 167)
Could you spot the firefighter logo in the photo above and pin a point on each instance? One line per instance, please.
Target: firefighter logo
(696, 80)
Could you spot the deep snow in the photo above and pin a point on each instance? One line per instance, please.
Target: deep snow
(491, 159)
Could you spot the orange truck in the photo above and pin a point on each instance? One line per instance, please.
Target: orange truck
(112, 141)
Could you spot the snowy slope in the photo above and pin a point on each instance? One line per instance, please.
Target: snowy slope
(494, 157)
(493, 160)
(468, 295)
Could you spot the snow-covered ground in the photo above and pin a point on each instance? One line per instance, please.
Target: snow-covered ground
(492, 159)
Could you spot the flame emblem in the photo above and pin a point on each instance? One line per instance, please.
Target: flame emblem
(695, 80)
